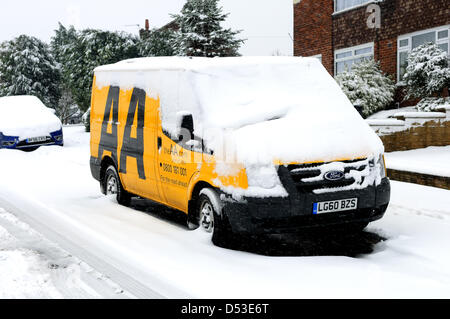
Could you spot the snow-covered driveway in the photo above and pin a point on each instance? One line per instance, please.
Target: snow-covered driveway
(150, 254)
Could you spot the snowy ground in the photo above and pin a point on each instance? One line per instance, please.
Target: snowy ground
(33, 267)
(388, 113)
(148, 252)
(433, 160)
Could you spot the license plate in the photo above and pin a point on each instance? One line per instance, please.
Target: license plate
(37, 139)
(340, 205)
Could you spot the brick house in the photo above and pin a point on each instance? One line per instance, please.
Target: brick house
(341, 32)
(144, 33)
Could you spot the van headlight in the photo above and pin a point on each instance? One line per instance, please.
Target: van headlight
(262, 176)
(382, 166)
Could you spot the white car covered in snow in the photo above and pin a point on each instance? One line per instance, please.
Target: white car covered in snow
(26, 124)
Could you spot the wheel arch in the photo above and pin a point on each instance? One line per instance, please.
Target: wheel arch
(105, 163)
(193, 198)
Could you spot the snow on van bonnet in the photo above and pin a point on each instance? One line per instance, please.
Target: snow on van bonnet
(25, 117)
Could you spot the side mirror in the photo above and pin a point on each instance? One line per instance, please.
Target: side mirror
(359, 108)
(186, 123)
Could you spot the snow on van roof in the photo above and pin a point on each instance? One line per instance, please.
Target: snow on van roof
(196, 63)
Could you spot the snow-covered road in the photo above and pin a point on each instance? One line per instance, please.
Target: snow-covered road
(33, 267)
(151, 254)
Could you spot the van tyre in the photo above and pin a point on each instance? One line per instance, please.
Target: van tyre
(359, 227)
(113, 186)
(212, 222)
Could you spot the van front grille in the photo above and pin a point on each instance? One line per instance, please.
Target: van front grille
(310, 178)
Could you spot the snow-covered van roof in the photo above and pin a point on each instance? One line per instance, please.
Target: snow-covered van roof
(272, 108)
(194, 63)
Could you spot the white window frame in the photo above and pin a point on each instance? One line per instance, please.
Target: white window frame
(317, 56)
(353, 55)
(336, 11)
(408, 48)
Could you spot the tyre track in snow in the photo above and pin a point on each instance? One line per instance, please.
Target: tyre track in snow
(72, 278)
(55, 228)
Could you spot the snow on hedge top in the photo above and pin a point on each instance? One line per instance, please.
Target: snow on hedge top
(270, 108)
(25, 117)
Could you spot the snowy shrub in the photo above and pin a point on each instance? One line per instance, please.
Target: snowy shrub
(201, 33)
(431, 104)
(428, 71)
(66, 107)
(80, 52)
(366, 85)
(158, 42)
(86, 118)
(27, 67)
(60, 42)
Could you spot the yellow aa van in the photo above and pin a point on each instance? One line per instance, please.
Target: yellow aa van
(239, 145)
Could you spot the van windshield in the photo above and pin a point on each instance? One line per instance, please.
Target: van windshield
(232, 97)
(315, 121)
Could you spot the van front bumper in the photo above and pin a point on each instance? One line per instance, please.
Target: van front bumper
(291, 215)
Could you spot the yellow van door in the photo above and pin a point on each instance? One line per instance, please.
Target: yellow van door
(176, 167)
(173, 173)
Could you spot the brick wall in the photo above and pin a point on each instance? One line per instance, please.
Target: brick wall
(421, 135)
(318, 31)
(421, 179)
(398, 17)
(313, 30)
(431, 133)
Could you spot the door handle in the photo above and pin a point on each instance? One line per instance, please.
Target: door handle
(159, 143)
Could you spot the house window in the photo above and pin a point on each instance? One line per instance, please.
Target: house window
(346, 58)
(341, 5)
(318, 57)
(406, 43)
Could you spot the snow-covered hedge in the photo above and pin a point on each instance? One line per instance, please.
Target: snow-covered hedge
(367, 86)
(86, 119)
(201, 33)
(89, 49)
(157, 42)
(27, 67)
(431, 104)
(428, 71)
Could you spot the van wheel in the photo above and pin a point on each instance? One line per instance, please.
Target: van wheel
(359, 227)
(113, 186)
(210, 221)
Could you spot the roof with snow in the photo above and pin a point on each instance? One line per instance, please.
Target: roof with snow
(199, 63)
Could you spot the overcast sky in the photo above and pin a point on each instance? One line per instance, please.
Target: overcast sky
(266, 23)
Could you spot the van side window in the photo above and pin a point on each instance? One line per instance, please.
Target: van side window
(179, 97)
